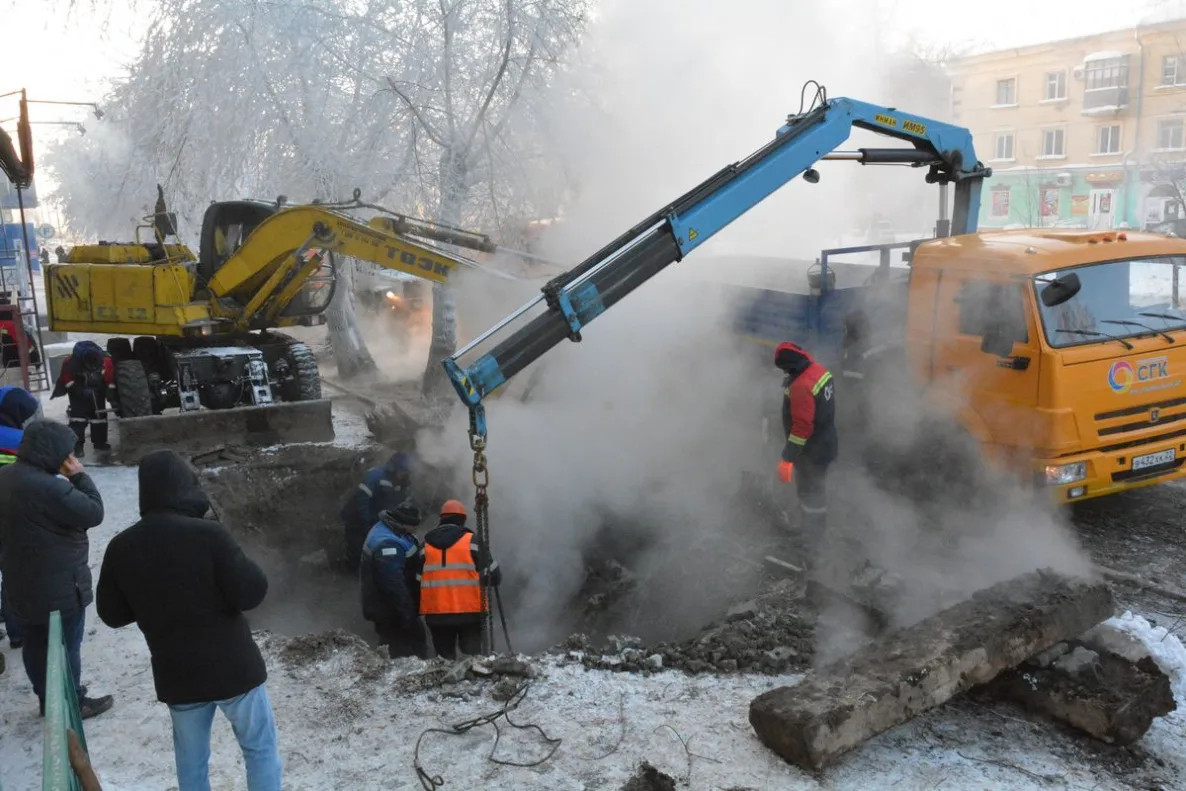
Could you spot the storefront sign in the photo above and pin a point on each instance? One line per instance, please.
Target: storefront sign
(1080, 204)
(1104, 177)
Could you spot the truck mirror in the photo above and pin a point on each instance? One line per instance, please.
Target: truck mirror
(1060, 290)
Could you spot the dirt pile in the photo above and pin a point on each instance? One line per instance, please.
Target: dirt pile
(648, 778)
(290, 496)
(771, 633)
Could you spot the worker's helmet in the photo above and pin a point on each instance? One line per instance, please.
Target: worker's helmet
(453, 508)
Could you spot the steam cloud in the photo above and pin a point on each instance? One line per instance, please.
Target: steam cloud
(649, 423)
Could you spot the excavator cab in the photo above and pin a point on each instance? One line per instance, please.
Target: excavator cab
(225, 226)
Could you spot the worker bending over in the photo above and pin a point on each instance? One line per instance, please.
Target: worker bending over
(808, 419)
(86, 376)
(451, 582)
(383, 488)
(387, 576)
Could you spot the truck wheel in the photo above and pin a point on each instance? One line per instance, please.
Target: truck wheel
(119, 348)
(307, 384)
(131, 383)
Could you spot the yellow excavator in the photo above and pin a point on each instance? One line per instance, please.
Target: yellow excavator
(204, 328)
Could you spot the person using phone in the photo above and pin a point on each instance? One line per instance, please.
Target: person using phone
(47, 505)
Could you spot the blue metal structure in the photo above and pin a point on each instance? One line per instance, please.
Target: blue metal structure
(583, 293)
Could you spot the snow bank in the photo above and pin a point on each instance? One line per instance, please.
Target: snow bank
(1164, 647)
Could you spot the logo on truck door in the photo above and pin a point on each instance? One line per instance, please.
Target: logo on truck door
(1141, 376)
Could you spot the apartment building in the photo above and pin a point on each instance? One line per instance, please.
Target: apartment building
(1086, 132)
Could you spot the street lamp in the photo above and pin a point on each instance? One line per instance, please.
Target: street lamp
(94, 107)
(81, 128)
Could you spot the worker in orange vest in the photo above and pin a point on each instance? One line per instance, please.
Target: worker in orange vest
(451, 582)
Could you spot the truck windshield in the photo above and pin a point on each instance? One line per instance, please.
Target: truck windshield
(1118, 299)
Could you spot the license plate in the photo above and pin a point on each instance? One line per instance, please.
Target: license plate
(1153, 459)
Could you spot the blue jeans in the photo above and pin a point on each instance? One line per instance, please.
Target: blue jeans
(251, 719)
(36, 649)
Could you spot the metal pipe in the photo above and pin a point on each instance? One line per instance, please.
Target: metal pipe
(1136, 135)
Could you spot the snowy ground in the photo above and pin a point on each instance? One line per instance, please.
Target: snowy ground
(346, 721)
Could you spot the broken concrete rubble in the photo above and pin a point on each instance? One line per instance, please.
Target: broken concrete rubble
(907, 672)
(1103, 683)
(767, 634)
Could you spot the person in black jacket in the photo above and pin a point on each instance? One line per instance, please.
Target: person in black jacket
(186, 583)
(47, 505)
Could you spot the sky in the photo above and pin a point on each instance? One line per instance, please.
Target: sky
(71, 54)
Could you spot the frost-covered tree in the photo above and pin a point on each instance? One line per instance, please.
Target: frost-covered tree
(471, 85)
(430, 108)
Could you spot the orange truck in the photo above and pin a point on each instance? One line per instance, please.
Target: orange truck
(1061, 352)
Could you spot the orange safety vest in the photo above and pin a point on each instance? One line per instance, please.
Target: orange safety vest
(449, 583)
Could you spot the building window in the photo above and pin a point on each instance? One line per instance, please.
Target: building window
(1169, 134)
(1054, 142)
(1003, 146)
(1000, 202)
(1056, 85)
(1107, 73)
(1007, 92)
(1172, 71)
(1107, 140)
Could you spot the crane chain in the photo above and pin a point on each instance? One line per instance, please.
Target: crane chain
(481, 478)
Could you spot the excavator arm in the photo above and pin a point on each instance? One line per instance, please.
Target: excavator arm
(266, 273)
(580, 295)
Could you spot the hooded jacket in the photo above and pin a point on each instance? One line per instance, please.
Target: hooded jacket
(808, 407)
(186, 583)
(44, 519)
(86, 370)
(387, 572)
(17, 407)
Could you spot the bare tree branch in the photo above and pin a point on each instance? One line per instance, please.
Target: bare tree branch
(429, 130)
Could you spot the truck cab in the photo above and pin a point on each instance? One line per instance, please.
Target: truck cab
(1064, 351)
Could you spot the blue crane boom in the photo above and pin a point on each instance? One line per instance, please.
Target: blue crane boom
(583, 293)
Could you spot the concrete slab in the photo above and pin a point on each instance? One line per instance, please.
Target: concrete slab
(906, 672)
(1103, 683)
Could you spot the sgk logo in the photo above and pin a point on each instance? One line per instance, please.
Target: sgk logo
(1123, 375)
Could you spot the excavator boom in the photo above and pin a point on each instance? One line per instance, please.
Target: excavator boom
(268, 270)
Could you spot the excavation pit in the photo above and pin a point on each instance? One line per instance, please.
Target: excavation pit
(283, 505)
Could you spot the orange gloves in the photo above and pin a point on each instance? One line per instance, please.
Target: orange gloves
(786, 471)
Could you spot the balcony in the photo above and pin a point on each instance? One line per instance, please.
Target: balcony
(1104, 101)
(1105, 78)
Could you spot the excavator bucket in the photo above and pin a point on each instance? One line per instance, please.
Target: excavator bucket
(209, 430)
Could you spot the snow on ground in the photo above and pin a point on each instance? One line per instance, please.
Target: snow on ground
(348, 721)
